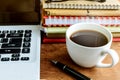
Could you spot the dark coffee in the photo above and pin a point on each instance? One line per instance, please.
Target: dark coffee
(89, 38)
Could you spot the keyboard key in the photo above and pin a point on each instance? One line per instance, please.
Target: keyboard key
(2, 35)
(28, 31)
(24, 58)
(8, 51)
(15, 35)
(14, 58)
(4, 40)
(11, 45)
(26, 50)
(27, 35)
(16, 55)
(27, 39)
(26, 44)
(5, 59)
(13, 31)
(20, 31)
(15, 40)
(6, 31)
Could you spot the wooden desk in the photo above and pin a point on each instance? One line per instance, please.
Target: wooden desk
(59, 52)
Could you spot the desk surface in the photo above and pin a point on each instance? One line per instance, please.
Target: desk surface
(59, 52)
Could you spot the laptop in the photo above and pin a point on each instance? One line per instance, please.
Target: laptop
(20, 40)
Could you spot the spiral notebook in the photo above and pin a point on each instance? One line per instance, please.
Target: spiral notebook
(83, 4)
(69, 20)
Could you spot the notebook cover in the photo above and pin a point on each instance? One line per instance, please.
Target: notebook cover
(63, 40)
(65, 12)
(53, 40)
(116, 39)
(55, 32)
(116, 34)
(59, 32)
(73, 12)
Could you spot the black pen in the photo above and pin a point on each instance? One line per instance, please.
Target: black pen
(70, 71)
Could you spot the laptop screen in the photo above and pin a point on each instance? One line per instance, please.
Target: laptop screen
(19, 12)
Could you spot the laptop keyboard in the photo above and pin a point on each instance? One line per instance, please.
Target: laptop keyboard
(15, 45)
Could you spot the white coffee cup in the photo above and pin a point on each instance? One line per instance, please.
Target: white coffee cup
(90, 56)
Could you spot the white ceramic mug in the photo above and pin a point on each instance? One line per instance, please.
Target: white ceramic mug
(90, 56)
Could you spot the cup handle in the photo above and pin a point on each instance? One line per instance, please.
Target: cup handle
(114, 56)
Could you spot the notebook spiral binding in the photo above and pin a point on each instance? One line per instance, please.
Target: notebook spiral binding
(69, 20)
(80, 6)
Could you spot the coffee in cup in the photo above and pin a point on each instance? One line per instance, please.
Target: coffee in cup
(89, 38)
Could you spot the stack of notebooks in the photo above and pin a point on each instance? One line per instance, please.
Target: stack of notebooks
(58, 15)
